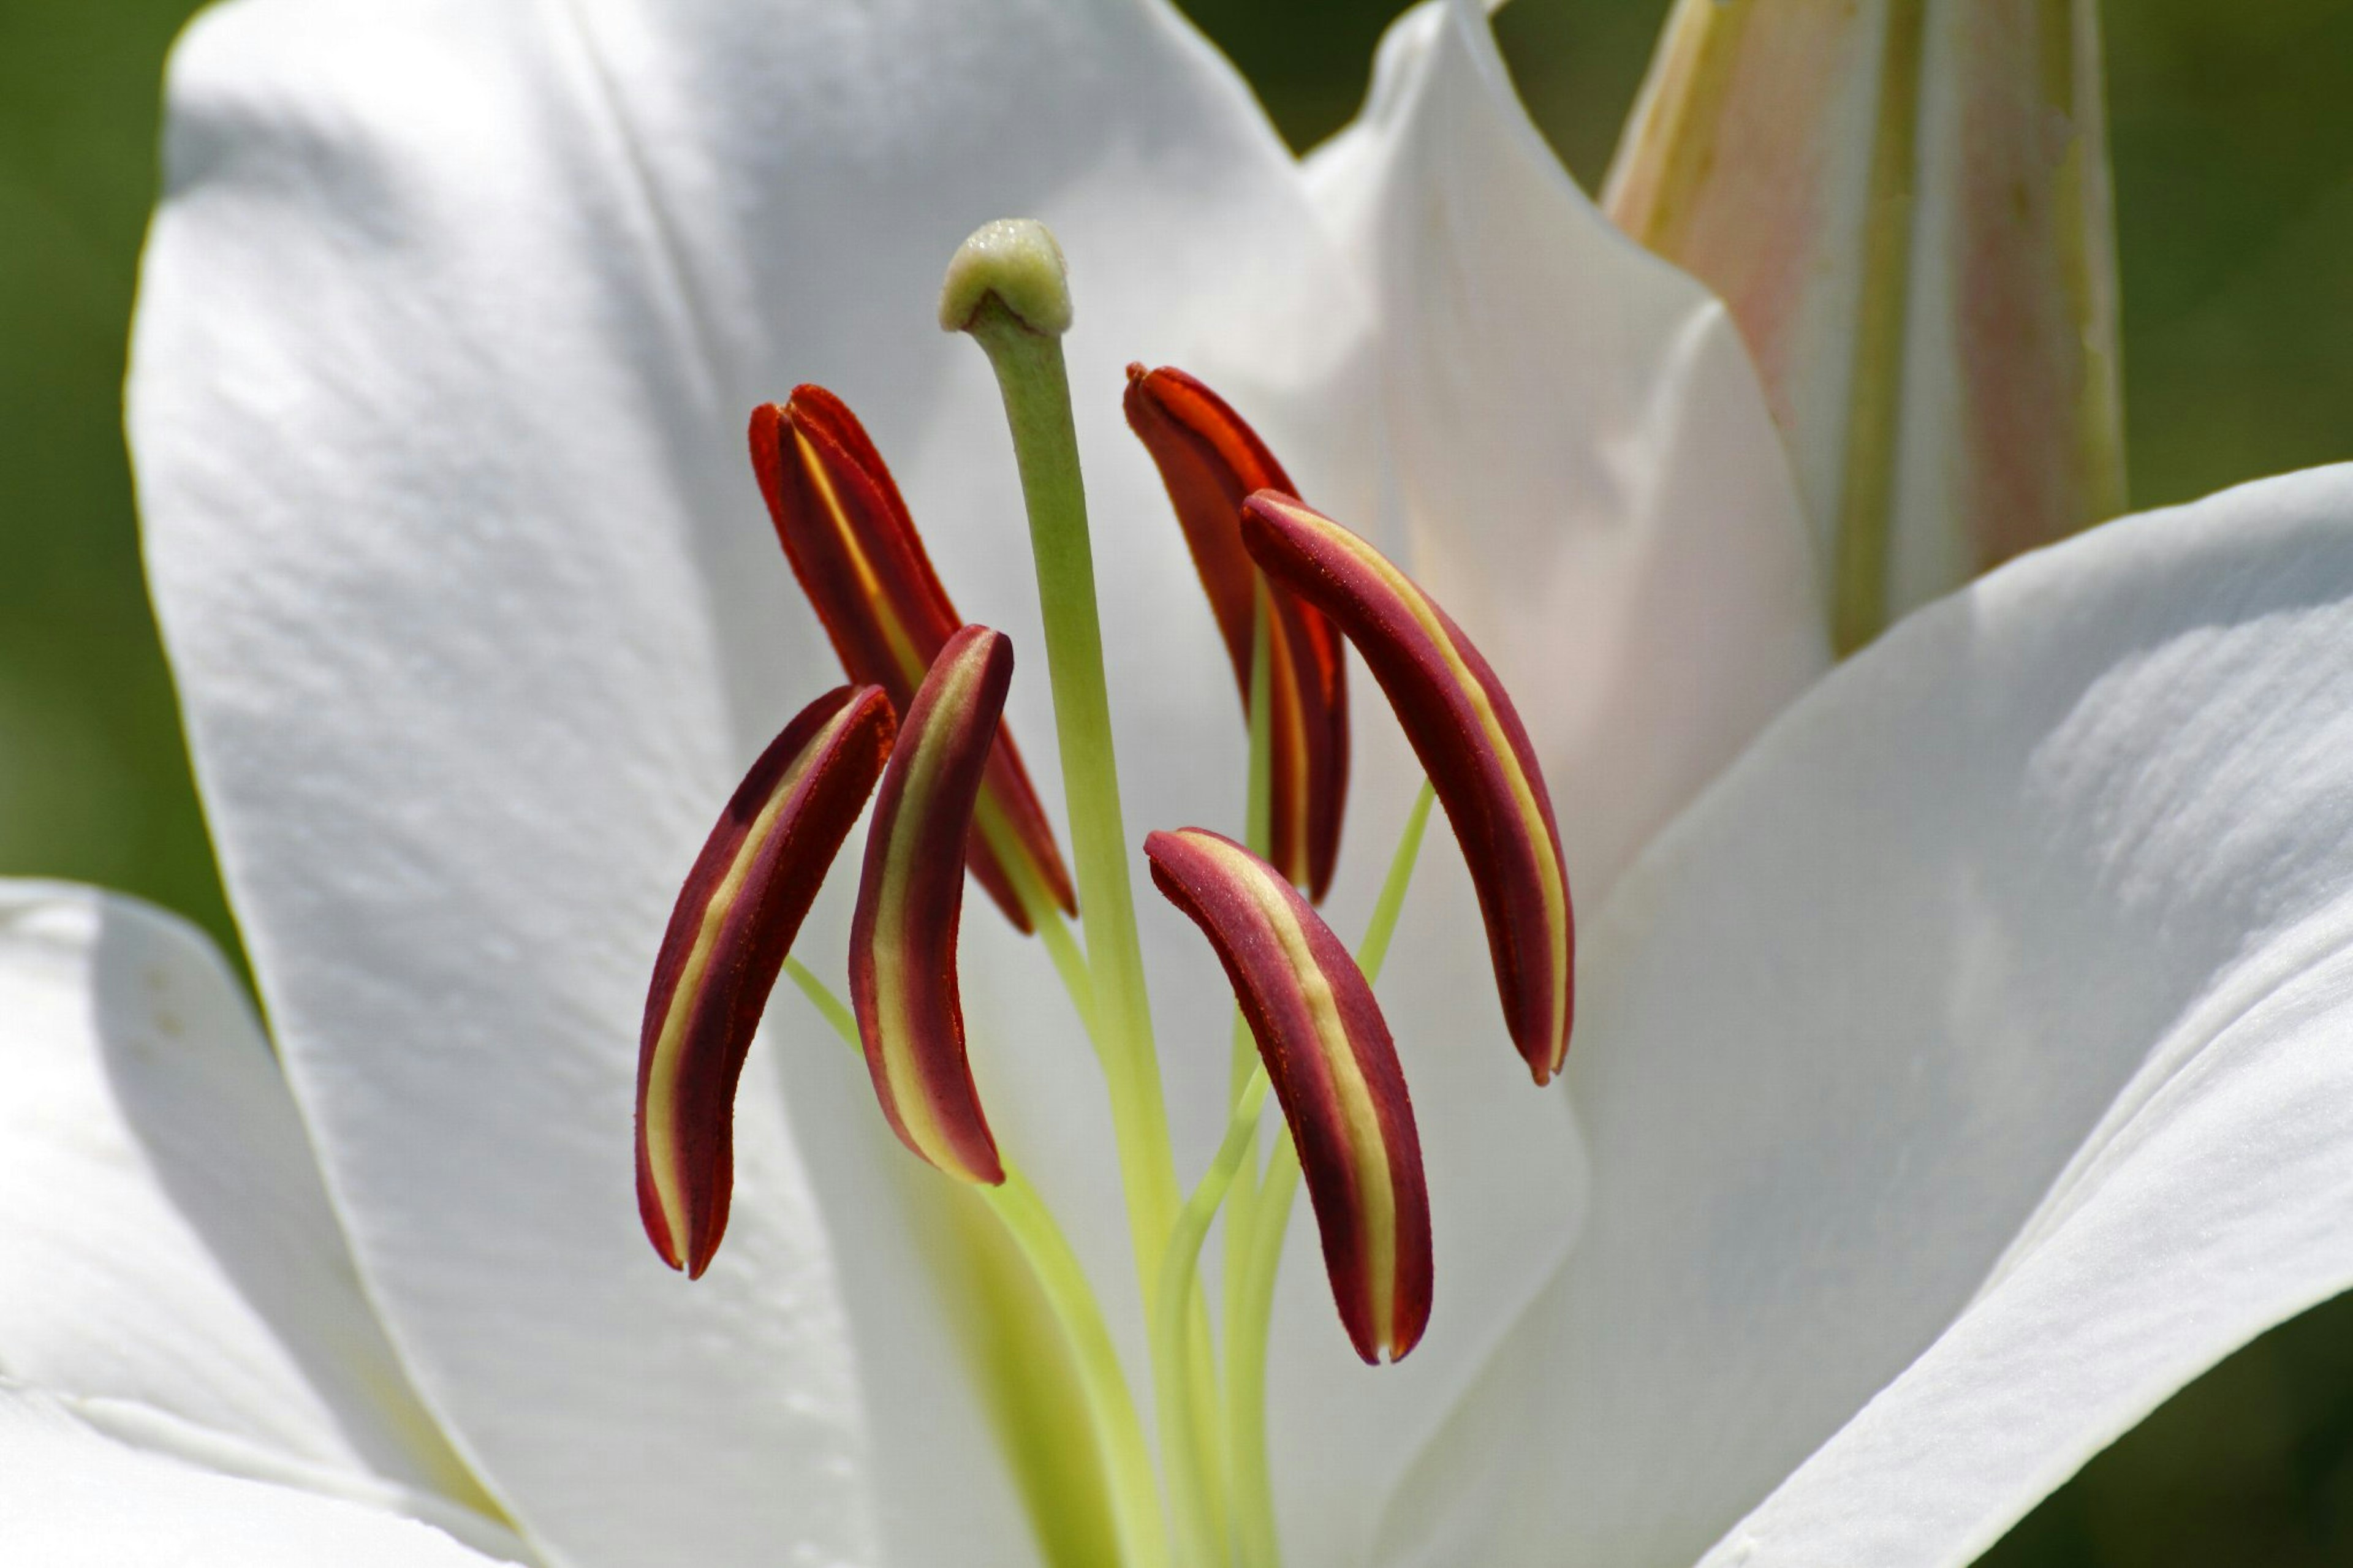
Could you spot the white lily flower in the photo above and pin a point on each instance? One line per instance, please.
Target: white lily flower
(1954, 1077)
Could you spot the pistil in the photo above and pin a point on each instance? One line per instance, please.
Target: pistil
(1008, 287)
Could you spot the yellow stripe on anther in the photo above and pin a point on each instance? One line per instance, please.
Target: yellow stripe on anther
(1369, 1155)
(1553, 880)
(911, 663)
(661, 1089)
(894, 984)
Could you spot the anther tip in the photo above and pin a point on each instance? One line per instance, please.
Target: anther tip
(1017, 261)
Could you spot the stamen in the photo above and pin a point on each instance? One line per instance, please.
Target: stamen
(734, 920)
(1471, 743)
(902, 937)
(1335, 1072)
(853, 545)
(1210, 459)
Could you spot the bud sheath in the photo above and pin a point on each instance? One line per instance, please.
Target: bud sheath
(902, 938)
(735, 920)
(1335, 1070)
(1469, 737)
(1905, 205)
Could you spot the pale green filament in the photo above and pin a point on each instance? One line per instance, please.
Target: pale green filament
(1374, 950)
(1191, 1503)
(1119, 1432)
(1136, 1500)
(1242, 1202)
(1036, 388)
(1250, 1287)
(1260, 815)
(831, 1008)
(1259, 811)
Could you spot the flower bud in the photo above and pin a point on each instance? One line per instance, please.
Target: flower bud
(1335, 1070)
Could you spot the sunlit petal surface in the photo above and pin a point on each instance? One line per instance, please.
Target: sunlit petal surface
(1583, 471)
(178, 1280)
(451, 320)
(1964, 1074)
(75, 1500)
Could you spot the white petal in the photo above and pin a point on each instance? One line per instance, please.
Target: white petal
(1580, 466)
(452, 316)
(173, 1273)
(1589, 476)
(1977, 1040)
(73, 1499)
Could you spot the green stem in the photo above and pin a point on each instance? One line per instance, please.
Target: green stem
(1257, 817)
(831, 1008)
(1036, 388)
(1259, 811)
(1249, 1313)
(1250, 1301)
(1242, 1202)
(1190, 1499)
(1119, 1432)
(1374, 951)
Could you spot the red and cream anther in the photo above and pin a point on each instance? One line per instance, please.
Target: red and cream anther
(1463, 726)
(1210, 460)
(902, 937)
(742, 905)
(1335, 1070)
(853, 545)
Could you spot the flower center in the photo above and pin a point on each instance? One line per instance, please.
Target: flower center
(919, 727)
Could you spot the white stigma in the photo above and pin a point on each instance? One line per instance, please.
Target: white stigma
(1016, 260)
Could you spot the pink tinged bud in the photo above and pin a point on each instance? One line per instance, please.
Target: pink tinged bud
(1906, 208)
(1335, 1070)
(853, 546)
(1463, 726)
(734, 920)
(1210, 460)
(902, 938)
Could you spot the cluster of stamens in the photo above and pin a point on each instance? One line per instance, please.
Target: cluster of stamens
(1290, 590)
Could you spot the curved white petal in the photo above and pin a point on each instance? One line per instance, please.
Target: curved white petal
(1963, 1074)
(451, 318)
(1588, 477)
(173, 1273)
(70, 1498)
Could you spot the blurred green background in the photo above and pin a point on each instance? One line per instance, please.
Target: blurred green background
(2233, 145)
